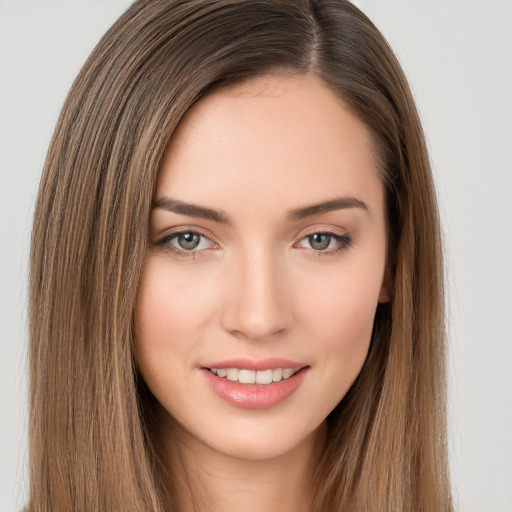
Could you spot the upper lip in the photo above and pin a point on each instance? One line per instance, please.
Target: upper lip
(256, 365)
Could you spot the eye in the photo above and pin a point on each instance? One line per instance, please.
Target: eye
(325, 242)
(186, 243)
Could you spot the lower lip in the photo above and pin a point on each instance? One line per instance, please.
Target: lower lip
(254, 396)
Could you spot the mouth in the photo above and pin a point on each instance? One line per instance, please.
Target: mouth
(249, 384)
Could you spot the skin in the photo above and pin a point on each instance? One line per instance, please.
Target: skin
(259, 287)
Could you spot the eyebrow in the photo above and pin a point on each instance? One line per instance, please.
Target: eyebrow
(339, 203)
(193, 210)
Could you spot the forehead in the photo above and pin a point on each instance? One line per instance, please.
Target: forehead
(280, 138)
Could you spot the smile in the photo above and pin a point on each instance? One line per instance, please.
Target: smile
(255, 384)
(244, 376)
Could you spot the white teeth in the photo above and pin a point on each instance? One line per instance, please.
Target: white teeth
(264, 376)
(277, 374)
(247, 377)
(287, 372)
(233, 373)
(251, 377)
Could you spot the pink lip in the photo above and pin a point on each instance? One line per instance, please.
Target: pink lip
(255, 396)
(262, 364)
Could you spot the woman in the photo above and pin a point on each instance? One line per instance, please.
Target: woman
(236, 277)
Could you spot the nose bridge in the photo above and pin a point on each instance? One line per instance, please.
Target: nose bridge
(258, 304)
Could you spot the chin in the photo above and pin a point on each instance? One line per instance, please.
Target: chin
(258, 440)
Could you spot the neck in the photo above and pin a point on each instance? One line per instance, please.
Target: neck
(209, 481)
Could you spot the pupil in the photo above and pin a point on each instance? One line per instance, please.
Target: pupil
(188, 240)
(319, 241)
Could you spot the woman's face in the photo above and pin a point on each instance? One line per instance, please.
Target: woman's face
(266, 259)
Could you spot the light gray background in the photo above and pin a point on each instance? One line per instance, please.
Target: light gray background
(458, 57)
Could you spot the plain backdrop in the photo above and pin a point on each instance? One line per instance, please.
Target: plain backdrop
(458, 57)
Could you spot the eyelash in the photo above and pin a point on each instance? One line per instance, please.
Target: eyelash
(344, 241)
(165, 242)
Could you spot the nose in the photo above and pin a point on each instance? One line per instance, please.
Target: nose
(258, 299)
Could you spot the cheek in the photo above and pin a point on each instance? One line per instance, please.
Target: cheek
(343, 307)
(170, 309)
(170, 304)
(345, 331)
(339, 315)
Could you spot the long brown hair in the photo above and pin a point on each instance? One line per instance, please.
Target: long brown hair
(91, 447)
